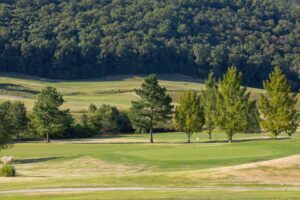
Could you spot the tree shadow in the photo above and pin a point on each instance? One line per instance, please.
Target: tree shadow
(16, 88)
(34, 160)
(246, 140)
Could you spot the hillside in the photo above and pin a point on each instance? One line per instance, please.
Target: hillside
(68, 39)
(114, 90)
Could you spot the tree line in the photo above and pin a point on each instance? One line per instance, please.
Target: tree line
(223, 105)
(70, 39)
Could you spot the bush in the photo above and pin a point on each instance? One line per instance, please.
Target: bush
(7, 170)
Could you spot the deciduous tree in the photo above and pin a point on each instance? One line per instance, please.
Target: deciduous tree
(189, 114)
(208, 97)
(277, 106)
(233, 104)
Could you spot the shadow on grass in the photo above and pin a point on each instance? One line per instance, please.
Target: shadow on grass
(247, 140)
(35, 160)
(16, 88)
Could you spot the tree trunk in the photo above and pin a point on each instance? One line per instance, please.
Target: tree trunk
(189, 138)
(151, 136)
(47, 138)
(209, 135)
(230, 138)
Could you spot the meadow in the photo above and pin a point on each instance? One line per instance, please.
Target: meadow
(203, 169)
(114, 90)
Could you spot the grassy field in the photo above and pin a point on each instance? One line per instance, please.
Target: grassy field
(245, 169)
(114, 90)
(129, 161)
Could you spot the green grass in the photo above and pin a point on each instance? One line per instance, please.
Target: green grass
(183, 194)
(114, 90)
(149, 165)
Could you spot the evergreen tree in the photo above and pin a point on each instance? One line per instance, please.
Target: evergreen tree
(47, 118)
(277, 106)
(154, 106)
(189, 114)
(233, 104)
(209, 102)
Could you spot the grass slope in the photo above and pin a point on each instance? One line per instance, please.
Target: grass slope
(129, 161)
(114, 90)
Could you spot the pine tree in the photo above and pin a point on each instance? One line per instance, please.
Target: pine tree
(277, 106)
(154, 106)
(233, 104)
(189, 114)
(208, 97)
(46, 117)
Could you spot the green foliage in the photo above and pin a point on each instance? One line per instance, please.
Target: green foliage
(92, 38)
(7, 170)
(278, 105)
(189, 114)
(46, 118)
(153, 107)
(106, 119)
(19, 117)
(208, 97)
(234, 109)
(6, 126)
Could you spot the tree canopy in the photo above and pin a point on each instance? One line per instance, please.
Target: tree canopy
(189, 115)
(234, 108)
(153, 107)
(277, 106)
(46, 116)
(91, 38)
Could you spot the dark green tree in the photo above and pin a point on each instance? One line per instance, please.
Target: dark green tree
(153, 107)
(208, 97)
(47, 118)
(19, 117)
(6, 126)
(189, 115)
(277, 106)
(233, 104)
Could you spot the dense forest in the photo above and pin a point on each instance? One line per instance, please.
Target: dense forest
(70, 39)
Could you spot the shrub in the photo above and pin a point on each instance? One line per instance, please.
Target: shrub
(7, 170)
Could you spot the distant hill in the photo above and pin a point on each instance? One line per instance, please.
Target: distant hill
(69, 39)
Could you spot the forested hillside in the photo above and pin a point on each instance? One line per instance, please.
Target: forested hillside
(69, 39)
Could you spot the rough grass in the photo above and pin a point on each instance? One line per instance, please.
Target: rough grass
(114, 90)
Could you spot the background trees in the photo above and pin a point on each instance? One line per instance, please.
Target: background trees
(46, 117)
(13, 120)
(189, 115)
(79, 39)
(233, 105)
(277, 106)
(154, 106)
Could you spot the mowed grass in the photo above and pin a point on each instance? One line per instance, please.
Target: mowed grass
(130, 161)
(180, 194)
(113, 90)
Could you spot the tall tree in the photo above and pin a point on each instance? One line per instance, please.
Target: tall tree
(6, 125)
(154, 106)
(208, 97)
(233, 104)
(277, 106)
(189, 114)
(47, 118)
(19, 117)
